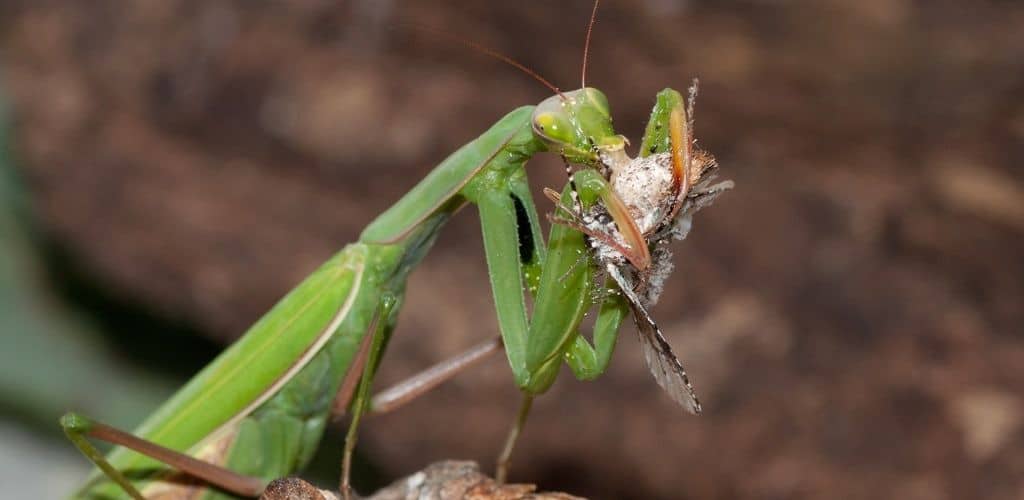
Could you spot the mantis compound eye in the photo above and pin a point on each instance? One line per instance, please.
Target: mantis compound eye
(553, 128)
(573, 123)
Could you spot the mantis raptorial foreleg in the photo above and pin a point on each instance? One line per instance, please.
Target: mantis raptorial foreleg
(590, 361)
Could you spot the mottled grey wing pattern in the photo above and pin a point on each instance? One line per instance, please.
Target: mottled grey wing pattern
(664, 365)
(666, 368)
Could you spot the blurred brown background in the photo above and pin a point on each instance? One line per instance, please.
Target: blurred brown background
(851, 313)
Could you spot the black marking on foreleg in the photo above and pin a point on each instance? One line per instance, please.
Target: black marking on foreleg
(523, 229)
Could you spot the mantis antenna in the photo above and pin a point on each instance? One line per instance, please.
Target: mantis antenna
(586, 44)
(483, 49)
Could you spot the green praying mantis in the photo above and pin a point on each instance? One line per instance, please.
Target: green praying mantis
(258, 411)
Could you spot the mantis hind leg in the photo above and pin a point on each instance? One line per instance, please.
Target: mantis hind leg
(397, 395)
(423, 382)
(505, 458)
(369, 357)
(78, 428)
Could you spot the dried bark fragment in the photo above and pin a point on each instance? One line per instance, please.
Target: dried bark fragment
(448, 480)
(293, 488)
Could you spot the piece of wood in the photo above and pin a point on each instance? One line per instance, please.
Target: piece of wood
(447, 480)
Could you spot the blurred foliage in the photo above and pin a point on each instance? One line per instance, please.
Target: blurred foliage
(68, 344)
(54, 357)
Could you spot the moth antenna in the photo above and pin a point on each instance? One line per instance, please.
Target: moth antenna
(487, 51)
(690, 104)
(586, 44)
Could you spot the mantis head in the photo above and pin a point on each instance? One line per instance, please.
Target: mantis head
(578, 125)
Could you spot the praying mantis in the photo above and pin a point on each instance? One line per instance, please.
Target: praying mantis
(258, 411)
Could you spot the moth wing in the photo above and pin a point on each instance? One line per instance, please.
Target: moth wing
(668, 371)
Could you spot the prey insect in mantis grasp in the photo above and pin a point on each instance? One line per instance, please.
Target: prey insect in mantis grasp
(258, 411)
